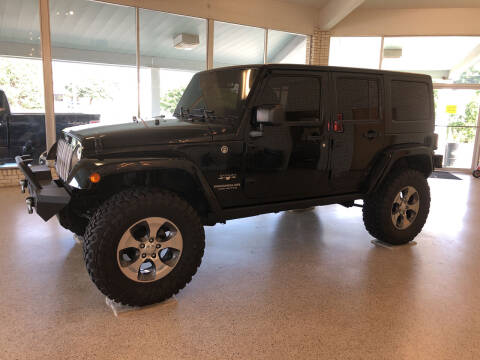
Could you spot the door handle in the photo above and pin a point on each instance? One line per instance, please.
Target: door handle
(370, 134)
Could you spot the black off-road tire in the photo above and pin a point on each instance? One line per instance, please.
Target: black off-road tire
(377, 208)
(113, 218)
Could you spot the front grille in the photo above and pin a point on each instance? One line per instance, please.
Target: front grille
(64, 159)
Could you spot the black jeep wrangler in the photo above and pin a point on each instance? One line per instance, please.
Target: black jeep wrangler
(244, 141)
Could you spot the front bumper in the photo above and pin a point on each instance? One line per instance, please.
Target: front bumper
(47, 196)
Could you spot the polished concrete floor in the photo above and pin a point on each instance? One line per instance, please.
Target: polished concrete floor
(306, 285)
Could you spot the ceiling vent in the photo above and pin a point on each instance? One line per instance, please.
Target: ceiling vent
(186, 41)
(394, 53)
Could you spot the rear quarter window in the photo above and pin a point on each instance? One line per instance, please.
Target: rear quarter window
(410, 101)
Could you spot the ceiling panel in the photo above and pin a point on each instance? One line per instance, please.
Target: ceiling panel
(82, 30)
(157, 31)
(92, 26)
(19, 21)
(237, 44)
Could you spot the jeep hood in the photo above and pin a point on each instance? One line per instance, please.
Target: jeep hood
(96, 137)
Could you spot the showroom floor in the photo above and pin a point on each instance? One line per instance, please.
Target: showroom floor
(287, 285)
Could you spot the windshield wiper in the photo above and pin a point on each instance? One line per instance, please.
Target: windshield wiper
(184, 113)
(187, 114)
(204, 113)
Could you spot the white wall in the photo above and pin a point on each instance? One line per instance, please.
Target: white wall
(377, 22)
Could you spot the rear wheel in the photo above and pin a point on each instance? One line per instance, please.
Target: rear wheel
(143, 246)
(397, 212)
(476, 173)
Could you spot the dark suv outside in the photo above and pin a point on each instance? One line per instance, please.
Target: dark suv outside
(244, 141)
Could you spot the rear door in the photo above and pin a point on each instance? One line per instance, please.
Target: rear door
(357, 128)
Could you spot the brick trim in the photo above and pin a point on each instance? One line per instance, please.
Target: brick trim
(12, 176)
(319, 47)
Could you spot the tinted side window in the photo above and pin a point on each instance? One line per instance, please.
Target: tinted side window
(300, 96)
(358, 99)
(410, 101)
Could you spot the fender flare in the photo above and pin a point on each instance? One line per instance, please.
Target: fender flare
(387, 159)
(79, 176)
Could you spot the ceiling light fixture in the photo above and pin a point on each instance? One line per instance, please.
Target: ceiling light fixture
(392, 53)
(186, 41)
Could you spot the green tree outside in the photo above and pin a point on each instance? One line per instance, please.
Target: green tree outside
(22, 82)
(91, 92)
(462, 127)
(170, 100)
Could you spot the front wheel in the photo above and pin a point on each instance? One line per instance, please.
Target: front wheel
(142, 246)
(397, 212)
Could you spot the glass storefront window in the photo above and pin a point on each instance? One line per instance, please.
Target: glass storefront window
(237, 44)
(358, 52)
(448, 59)
(22, 106)
(456, 114)
(94, 60)
(21, 73)
(286, 48)
(172, 49)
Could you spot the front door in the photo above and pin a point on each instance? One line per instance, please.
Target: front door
(290, 160)
(356, 128)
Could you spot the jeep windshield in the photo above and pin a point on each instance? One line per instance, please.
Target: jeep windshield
(216, 96)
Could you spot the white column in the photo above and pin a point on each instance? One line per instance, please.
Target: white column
(265, 47)
(155, 86)
(137, 31)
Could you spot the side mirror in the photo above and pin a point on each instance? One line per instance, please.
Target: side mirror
(270, 114)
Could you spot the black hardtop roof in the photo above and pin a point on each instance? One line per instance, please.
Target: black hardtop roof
(299, 67)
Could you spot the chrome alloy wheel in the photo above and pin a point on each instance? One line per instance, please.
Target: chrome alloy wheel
(149, 249)
(405, 207)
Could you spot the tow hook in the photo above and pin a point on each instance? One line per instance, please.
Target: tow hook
(23, 185)
(30, 204)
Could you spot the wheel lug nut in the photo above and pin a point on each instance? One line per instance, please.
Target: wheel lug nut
(144, 255)
(151, 239)
(153, 255)
(158, 246)
(142, 246)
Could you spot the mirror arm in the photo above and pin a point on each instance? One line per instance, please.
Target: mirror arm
(255, 133)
